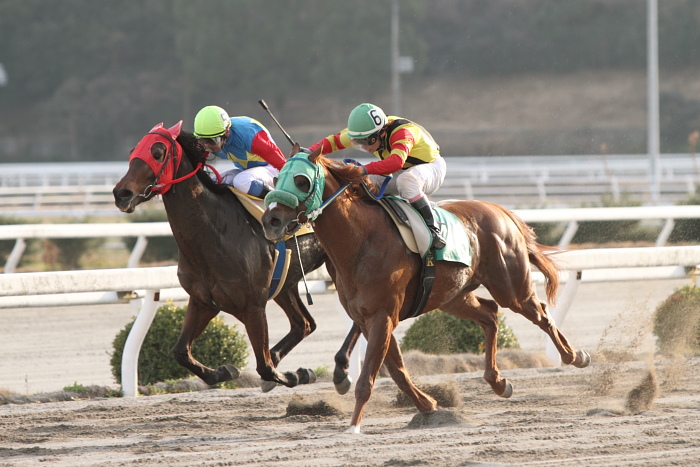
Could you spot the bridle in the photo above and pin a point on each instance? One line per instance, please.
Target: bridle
(165, 170)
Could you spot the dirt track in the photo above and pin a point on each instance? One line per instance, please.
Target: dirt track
(601, 415)
(554, 417)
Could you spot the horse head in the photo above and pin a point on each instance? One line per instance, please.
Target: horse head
(304, 187)
(297, 195)
(153, 164)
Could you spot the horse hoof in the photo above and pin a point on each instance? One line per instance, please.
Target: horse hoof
(508, 391)
(306, 376)
(353, 430)
(583, 359)
(228, 373)
(344, 386)
(268, 386)
(292, 379)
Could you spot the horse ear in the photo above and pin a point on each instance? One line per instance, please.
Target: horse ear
(160, 125)
(313, 158)
(296, 149)
(175, 129)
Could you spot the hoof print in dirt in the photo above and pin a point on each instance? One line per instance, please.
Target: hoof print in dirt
(435, 419)
(299, 405)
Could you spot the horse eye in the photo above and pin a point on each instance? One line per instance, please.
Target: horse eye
(158, 151)
(302, 183)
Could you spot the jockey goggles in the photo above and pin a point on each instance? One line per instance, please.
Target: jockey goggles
(367, 141)
(215, 141)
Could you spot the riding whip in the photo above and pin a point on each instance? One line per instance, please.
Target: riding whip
(263, 104)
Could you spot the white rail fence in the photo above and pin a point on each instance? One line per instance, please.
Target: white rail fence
(23, 232)
(153, 284)
(80, 189)
(571, 217)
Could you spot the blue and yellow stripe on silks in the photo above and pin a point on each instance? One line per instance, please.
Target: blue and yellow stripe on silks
(238, 148)
(280, 268)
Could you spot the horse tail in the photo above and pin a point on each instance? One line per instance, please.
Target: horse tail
(535, 252)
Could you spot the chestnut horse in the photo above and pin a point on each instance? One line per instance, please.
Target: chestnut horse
(377, 276)
(225, 262)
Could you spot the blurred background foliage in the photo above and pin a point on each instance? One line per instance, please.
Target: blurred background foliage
(86, 79)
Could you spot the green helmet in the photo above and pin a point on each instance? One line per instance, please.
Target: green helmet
(211, 121)
(365, 120)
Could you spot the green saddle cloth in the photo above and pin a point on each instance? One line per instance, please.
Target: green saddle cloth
(458, 248)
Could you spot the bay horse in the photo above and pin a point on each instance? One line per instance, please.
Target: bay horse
(377, 276)
(225, 262)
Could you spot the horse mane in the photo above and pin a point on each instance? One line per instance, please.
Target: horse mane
(195, 153)
(347, 174)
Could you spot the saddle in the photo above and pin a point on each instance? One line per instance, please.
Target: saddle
(418, 239)
(256, 208)
(411, 226)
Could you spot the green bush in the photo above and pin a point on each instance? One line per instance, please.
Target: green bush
(677, 322)
(438, 333)
(218, 345)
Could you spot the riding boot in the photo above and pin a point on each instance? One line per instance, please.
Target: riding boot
(422, 206)
(259, 189)
(265, 192)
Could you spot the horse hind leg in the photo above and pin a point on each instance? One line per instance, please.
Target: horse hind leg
(536, 311)
(301, 325)
(484, 312)
(197, 318)
(255, 322)
(341, 379)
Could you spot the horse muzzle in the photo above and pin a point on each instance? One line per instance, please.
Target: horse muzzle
(275, 227)
(125, 200)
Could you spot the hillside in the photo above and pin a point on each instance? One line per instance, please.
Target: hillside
(512, 115)
(522, 114)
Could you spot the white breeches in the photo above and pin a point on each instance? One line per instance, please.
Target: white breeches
(416, 181)
(252, 180)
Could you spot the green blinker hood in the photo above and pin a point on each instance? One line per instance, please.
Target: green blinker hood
(286, 191)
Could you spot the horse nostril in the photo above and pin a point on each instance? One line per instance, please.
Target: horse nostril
(275, 222)
(122, 193)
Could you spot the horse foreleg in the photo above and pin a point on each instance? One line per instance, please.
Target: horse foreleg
(341, 379)
(378, 338)
(395, 364)
(197, 318)
(255, 323)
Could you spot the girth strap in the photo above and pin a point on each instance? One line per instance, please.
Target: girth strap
(427, 278)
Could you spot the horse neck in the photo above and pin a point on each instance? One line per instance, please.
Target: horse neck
(345, 225)
(191, 205)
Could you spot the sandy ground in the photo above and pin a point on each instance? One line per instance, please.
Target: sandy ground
(630, 407)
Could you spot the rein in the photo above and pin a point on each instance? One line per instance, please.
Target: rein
(387, 178)
(317, 212)
(160, 186)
